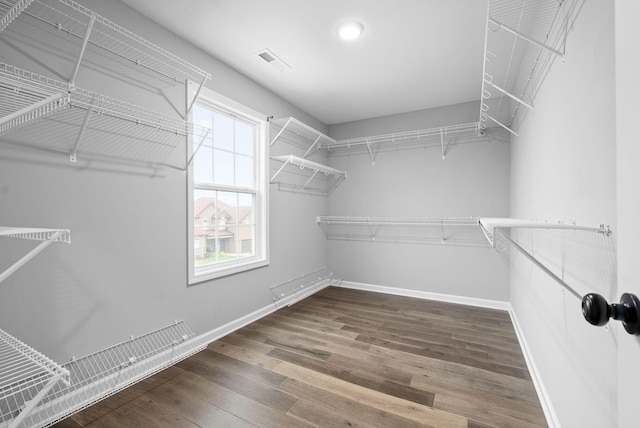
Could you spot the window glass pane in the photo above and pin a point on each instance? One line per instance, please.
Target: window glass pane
(223, 132)
(244, 171)
(244, 139)
(204, 230)
(245, 208)
(203, 165)
(246, 239)
(229, 202)
(223, 167)
(202, 116)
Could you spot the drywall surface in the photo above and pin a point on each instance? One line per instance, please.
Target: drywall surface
(472, 181)
(628, 152)
(125, 272)
(563, 169)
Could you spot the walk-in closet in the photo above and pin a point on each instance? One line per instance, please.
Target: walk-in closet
(319, 214)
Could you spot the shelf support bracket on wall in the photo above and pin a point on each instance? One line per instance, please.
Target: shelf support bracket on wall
(73, 156)
(85, 40)
(501, 124)
(279, 170)
(523, 37)
(315, 143)
(315, 172)
(442, 144)
(35, 401)
(195, 152)
(195, 96)
(31, 254)
(373, 158)
(281, 131)
(510, 95)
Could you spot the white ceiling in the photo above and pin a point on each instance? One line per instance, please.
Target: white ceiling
(413, 54)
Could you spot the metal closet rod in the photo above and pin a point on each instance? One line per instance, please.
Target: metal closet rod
(538, 263)
(595, 309)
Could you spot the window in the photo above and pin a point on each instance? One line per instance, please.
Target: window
(227, 206)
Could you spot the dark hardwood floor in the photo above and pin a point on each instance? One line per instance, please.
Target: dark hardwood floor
(342, 358)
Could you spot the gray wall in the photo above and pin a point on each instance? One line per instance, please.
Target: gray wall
(472, 181)
(563, 168)
(125, 271)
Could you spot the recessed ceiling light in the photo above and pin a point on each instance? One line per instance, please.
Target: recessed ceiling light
(350, 30)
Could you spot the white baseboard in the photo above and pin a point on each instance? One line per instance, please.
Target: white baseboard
(471, 301)
(543, 395)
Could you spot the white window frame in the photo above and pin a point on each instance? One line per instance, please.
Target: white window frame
(261, 208)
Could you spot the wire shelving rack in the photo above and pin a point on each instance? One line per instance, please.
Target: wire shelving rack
(302, 286)
(442, 136)
(304, 176)
(48, 114)
(523, 38)
(292, 131)
(96, 376)
(407, 230)
(90, 29)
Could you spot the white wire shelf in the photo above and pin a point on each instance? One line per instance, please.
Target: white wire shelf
(70, 120)
(302, 175)
(101, 374)
(413, 230)
(489, 226)
(500, 232)
(89, 29)
(45, 236)
(441, 137)
(26, 376)
(292, 131)
(302, 286)
(37, 234)
(523, 38)
(10, 11)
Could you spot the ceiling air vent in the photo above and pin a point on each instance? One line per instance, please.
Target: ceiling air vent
(273, 60)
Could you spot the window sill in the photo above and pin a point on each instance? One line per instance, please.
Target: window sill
(221, 271)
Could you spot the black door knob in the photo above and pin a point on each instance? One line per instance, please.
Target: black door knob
(597, 311)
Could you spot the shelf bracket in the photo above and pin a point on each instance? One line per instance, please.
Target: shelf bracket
(285, 163)
(31, 254)
(523, 37)
(29, 406)
(73, 156)
(308, 152)
(510, 95)
(195, 152)
(281, 131)
(85, 40)
(195, 96)
(501, 124)
(373, 158)
(315, 172)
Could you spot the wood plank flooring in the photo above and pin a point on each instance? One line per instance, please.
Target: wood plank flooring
(342, 358)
